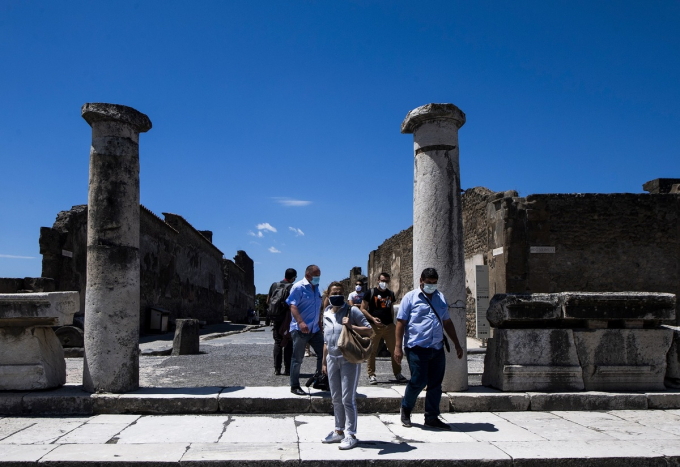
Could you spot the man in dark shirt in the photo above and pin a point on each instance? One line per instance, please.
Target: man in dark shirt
(281, 355)
(377, 307)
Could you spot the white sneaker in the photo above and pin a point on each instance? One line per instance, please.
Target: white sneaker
(348, 443)
(372, 380)
(333, 437)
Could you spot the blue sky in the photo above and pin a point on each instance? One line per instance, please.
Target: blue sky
(286, 115)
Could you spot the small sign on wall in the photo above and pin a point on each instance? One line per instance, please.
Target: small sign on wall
(68, 254)
(542, 249)
(482, 301)
(497, 251)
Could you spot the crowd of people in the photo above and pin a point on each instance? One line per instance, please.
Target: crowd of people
(302, 315)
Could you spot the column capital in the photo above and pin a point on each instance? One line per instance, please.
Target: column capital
(101, 112)
(420, 115)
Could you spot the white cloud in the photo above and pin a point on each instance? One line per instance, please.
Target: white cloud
(298, 232)
(273, 250)
(266, 226)
(290, 202)
(17, 257)
(258, 234)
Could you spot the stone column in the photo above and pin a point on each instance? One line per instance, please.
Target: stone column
(437, 217)
(112, 292)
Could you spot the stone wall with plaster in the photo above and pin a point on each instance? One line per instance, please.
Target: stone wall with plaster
(394, 256)
(239, 287)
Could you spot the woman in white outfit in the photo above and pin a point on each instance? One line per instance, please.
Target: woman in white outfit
(343, 376)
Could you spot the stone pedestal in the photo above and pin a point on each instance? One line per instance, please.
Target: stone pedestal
(437, 217)
(532, 360)
(186, 340)
(673, 360)
(31, 356)
(112, 293)
(569, 341)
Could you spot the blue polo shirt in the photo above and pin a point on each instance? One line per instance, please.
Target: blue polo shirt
(423, 328)
(308, 303)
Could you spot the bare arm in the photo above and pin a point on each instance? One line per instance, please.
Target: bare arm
(398, 353)
(451, 331)
(361, 330)
(295, 313)
(324, 365)
(369, 317)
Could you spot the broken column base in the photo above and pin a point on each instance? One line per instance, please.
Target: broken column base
(30, 358)
(532, 360)
(673, 360)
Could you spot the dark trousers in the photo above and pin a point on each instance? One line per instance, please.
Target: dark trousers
(281, 355)
(427, 368)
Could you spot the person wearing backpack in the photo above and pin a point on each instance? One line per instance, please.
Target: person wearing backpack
(278, 311)
(377, 307)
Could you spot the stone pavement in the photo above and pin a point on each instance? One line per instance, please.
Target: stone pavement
(613, 438)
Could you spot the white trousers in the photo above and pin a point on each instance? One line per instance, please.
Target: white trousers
(343, 378)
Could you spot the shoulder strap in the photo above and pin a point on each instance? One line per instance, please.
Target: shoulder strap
(433, 309)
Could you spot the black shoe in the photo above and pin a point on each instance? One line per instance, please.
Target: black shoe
(298, 391)
(277, 372)
(406, 417)
(286, 373)
(438, 424)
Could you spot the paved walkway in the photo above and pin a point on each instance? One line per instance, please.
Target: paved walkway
(613, 438)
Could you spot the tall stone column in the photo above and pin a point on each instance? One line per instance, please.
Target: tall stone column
(437, 217)
(112, 292)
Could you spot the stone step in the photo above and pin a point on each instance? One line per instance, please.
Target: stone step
(72, 400)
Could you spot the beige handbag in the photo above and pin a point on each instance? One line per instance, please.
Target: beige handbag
(354, 347)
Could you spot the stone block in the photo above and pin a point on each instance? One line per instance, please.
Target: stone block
(162, 401)
(369, 400)
(663, 400)
(30, 358)
(522, 309)
(44, 308)
(186, 341)
(580, 401)
(11, 403)
(67, 400)
(623, 359)
(481, 399)
(267, 399)
(532, 360)
(673, 360)
(645, 306)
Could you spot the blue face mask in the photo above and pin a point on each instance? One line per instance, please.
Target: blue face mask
(315, 280)
(337, 300)
(429, 288)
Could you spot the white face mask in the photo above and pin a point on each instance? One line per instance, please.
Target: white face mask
(382, 285)
(429, 288)
(357, 288)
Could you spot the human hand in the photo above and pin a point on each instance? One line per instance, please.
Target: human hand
(398, 354)
(304, 329)
(345, 321)
(324, 369)
(459, 352)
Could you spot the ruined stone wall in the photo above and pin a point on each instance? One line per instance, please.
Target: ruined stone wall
(474, 202)
(394, 256)
(181, 270)
(601, 242)
(236, 297)
(239, 287)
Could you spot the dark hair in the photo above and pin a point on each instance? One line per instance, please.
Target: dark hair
(290, 274)
(311, 268)
(336, 284)
(387, 276)
(429, 273)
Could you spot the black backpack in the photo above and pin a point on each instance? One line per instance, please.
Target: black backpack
(277, 302)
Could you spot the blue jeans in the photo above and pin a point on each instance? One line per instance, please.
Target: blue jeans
(427, 368)
(300, 341)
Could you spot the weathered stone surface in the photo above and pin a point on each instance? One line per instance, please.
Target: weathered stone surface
(673, 360)
(67, 400)
(160, 401)
(186, 340)
(482, 399)
(262, 400)
(416, 117)
(438, 239)
(587, 401)
(30, 358)
(623, 359)
(112, 293)
(369, 400)
(663, 400)
(10, 403)
(41, 308)
(578, 309)
(532, 360)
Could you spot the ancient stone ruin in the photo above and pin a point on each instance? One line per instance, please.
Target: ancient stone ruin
(31, 356)
(573, 341)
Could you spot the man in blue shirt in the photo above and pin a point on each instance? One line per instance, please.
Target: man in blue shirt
(422, 318)
(306, 325)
